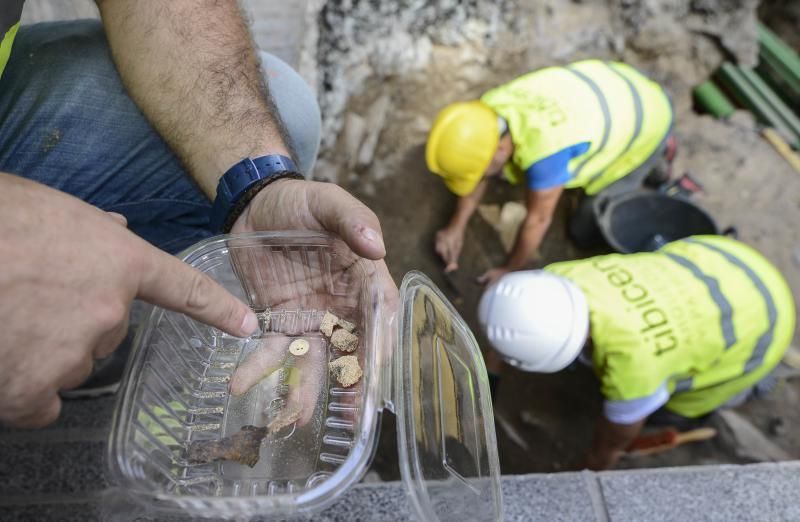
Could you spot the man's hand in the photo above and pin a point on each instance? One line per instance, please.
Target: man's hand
(449, 242)
(492, 275)
(310, 205)
(70, 272)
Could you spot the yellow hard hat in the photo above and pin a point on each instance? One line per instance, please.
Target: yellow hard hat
(461, 144)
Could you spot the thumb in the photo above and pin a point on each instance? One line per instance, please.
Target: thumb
(339, 212)
(451, 267)
(168, 282)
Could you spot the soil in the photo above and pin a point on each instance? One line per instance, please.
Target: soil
(544, 422)
(550, 429)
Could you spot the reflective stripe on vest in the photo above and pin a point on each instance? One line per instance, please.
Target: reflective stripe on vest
(766, 330)
(726, 312)
(637, 129)
(765, 339)
(601, 100)
(757, 357)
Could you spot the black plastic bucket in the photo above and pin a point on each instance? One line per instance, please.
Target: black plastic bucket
(644, 221)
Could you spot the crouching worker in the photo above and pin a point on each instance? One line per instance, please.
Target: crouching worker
(678, 332)
(588, 125)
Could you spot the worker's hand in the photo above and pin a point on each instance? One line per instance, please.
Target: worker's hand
(492, 275)
(310, 205)
(69, 274)
(449, 242)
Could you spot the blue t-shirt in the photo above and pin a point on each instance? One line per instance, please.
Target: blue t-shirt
(553, 171)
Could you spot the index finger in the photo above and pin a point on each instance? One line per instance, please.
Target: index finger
(168, 282)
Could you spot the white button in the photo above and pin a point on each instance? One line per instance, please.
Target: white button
(298, 347)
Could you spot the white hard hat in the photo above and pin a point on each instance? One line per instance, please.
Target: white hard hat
(536, 320)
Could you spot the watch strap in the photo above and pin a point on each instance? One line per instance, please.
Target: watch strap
(243, 181)
(238, 208)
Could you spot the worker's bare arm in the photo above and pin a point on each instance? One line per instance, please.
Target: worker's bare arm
(450, 239)
(467, 205)
(610, 441)
(191, 67)
(541, 205)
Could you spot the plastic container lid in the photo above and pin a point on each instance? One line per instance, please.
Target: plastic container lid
(446, 439)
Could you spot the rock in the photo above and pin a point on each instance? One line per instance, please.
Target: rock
(353, 136)
(776, 427)
(510, 431)
(327, 324)
(746, 440)
(376, 117)
(505, 221)
(400, 53)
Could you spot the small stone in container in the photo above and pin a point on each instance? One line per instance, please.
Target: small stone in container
(346, 370)
(344, 340)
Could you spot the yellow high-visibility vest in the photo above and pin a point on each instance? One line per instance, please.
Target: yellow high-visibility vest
(622, 114)
(10, 12)
(707, 315)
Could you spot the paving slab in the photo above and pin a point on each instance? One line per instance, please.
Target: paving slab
(552, 497)
(80, 512)
(723, 493)
(29, 469)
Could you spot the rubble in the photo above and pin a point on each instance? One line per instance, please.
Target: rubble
(746, 440)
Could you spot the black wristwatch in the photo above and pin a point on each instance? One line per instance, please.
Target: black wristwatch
(239, 185)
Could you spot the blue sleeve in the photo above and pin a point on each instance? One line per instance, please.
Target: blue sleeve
(553, 171)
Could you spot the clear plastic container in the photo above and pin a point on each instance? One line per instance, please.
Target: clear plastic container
(177, 390)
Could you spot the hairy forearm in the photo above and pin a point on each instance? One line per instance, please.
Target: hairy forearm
(529, 237)
(467, 205)
(191, 67)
